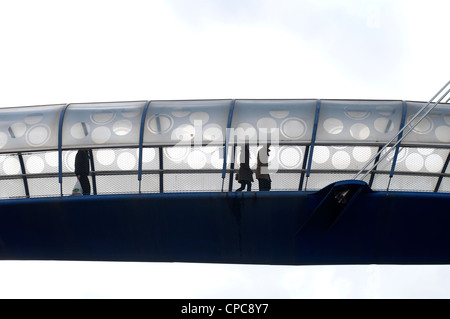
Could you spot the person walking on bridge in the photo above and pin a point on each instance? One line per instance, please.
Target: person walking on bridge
(82, 170)
(245, 175)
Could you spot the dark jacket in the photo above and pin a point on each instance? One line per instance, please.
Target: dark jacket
(262, 168)
(82, 163)
(245, 172)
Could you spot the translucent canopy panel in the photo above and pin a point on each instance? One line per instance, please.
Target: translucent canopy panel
(186, 122)
(285, 121)
(434, 129)
(358, 122)
(29, 128)
(102, 124)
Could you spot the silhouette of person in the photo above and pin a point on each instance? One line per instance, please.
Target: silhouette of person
(262, 169)
(245, 175)
(82, 170)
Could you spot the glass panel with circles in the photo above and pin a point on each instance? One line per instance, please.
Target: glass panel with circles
(278, 121)
(102, 124)
(357, 122)
(186, 122)
(434, 129)
(29, 128)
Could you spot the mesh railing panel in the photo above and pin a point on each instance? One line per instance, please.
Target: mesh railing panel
(12, 188)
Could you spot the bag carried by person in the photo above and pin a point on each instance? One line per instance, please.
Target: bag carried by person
(77, 189)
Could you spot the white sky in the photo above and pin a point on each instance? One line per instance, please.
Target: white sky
(56, 51)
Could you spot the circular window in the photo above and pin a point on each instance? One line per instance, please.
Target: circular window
(126, 161)
(341, 160)
(160, 123)
(34, 118)
(290, 156)
(176, 154)
(414, 162)
(180, 113)
(422, 127)
(355, 113)
(101, 135)
(443, 133)
(362, 154)
(279, 114)
(79, 130)
(333, 126)
(321, 154)
(293, 128)
(11, 166)
(383, 125)
(196, 159)
(130, 113)
(359, 131)
(434, 163)
(385, 110)
(425, 151)
(18, 129)
(402, 154)
(102, 117)
(122, 127)
(38, 135)
(52, 158)
(105, 157)
(35, 164)
(70, 160)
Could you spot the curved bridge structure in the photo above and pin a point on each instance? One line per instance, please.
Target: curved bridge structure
(162, 176)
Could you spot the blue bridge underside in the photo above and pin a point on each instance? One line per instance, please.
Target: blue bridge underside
(344, 223)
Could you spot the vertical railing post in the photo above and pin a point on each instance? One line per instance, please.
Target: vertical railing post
(24, 175)
(161, 170)
(313, 141)
(397, 149)
(94, 180)
(444, 169)
(227, 140)
(141, 141)
(61, 120)
(302, 174)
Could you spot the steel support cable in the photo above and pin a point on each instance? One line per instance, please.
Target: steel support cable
(401, 131)
(227, 141)
(406, 134)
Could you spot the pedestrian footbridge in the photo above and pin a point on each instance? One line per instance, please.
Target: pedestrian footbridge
(353, 181)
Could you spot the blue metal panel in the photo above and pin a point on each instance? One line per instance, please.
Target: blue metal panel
(344, 223)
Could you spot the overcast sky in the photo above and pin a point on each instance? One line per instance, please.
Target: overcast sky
(55, 51)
